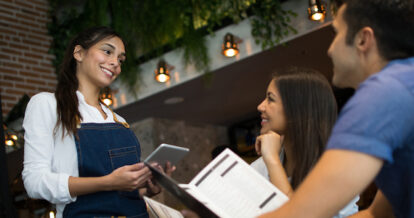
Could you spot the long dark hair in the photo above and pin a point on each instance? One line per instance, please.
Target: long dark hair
(310, 112)
(68, 114)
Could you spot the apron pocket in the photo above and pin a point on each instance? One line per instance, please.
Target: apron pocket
(121, 157)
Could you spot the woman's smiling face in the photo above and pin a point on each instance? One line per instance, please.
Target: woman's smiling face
(101, 63)
(272, 113)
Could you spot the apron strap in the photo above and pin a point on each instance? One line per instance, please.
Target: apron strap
(125, 124)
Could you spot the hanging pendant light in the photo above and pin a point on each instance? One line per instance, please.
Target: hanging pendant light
(162, 73)
(10, 139)
(106, 96)
(52, 214)
(229, 46)
(316, 10)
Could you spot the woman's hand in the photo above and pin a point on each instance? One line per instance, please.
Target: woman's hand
(129, 177)
(126, 178)
(269, 145)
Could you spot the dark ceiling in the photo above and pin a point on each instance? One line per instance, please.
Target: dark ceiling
(234, 91)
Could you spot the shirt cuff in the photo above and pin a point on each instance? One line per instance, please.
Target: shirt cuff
(64, 188)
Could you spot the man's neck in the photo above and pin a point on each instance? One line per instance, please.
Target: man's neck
(371, 66)
(376, 66)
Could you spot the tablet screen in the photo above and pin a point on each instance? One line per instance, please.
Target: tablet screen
(166, 152)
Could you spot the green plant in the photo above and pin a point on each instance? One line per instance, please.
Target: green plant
(153, 27)
(271, 23)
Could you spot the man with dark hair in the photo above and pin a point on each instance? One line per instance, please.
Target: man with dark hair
(373, 138)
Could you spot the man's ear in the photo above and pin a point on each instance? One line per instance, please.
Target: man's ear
(78, 53)
(365, 39)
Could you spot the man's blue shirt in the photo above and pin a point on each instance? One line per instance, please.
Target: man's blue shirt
(379, 121)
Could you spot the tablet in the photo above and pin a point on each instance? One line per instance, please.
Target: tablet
(166, 152)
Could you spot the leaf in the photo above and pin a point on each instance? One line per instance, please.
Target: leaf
(152, 27)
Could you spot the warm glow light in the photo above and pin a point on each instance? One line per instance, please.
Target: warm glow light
(106, 96)
(162, 73)
(229, 46)
(230, 52)
(316, 10)
(317, 16)
(52, 214)
(162, 78)
(107, 101)
(10, 139)
(14, 137)
(9, 142)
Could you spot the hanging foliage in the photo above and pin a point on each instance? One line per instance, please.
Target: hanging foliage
(152, 27)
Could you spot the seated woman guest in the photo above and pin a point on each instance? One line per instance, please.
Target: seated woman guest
(297, 114)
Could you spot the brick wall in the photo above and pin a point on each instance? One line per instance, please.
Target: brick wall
(25, 65)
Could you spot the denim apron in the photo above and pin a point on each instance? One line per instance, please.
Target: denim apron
(102, 148)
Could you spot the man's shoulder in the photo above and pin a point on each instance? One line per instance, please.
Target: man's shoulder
(395, 78)
(401, 71)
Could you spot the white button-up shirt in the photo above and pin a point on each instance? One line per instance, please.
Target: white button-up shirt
(49, 159)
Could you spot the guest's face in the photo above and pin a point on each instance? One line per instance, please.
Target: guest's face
(101, 63)
(345, 57)
(271, 109)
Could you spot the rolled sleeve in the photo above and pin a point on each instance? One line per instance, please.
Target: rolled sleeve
(362, 144)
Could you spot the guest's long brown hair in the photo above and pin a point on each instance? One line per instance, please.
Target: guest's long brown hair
(310, 111)
(68, 114)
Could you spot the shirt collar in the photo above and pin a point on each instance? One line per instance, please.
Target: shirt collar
(82, 101)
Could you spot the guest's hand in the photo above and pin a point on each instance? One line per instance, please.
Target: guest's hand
(152, 188)
(269, 145)
(169, 168)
